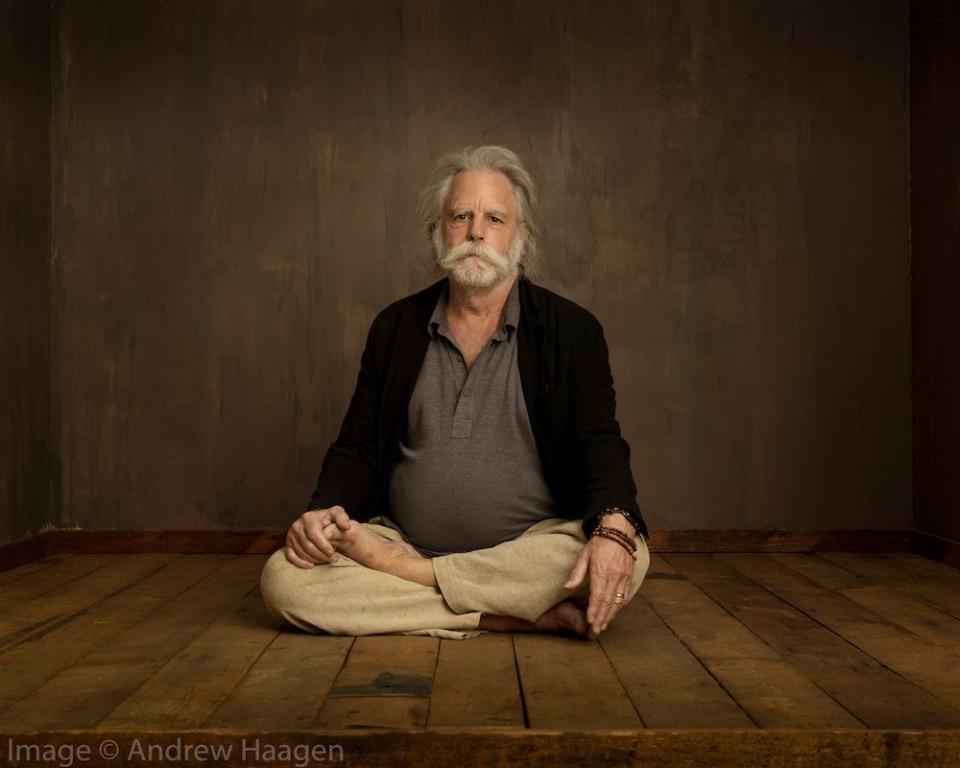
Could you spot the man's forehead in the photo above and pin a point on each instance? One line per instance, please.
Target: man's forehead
(494, 186)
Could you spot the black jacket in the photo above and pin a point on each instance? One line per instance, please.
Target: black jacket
(567, 386)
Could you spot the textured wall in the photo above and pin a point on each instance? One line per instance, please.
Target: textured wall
(935, 185)
(24, 268)
(725, 184)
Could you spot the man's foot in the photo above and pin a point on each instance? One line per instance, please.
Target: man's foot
(366, 548)
(566, 617)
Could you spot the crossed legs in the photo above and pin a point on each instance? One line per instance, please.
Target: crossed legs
(381, 584)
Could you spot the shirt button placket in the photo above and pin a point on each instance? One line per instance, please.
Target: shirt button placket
(463, 416)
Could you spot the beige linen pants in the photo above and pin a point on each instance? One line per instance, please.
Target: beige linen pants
(522, 577)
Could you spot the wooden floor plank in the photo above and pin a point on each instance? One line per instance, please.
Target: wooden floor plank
(43, 613)
(926, 568)
(907, 574)
(15, 574)
(923, 620)
(386, 682)
(569, 683)
(712, 643)
(286, 686)
(62, 572)
(874, 694)
(27, 666)
(189, 687)
(476, 684)
(82, 695)
(930, 666)
(764, 684)
(667, 684)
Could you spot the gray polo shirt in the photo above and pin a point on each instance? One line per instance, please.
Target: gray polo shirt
(469, 475)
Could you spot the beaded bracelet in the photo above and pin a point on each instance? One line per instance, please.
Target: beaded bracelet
(606, 535)
(630, 543)
(629, 516)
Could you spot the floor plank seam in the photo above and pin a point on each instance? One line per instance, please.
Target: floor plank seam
(333, 681)
(616, 674)
(839, 593)
(239, 682)
(171, 659)
(516, 667)
(834, 632)
(919, 579)
(762, 640)
(63, 621)
(703, 664)
(145, 617)
(433, 679)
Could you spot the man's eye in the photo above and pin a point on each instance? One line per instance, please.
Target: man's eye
(496, 220)
(459, 217)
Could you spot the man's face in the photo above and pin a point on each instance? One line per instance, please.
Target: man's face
(481, 239)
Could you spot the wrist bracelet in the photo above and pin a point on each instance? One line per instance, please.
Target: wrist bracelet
(606, 530)
(626, 538)
(629, 516)
(612, 538)
(605, 535)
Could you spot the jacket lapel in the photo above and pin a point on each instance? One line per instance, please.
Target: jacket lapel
(405, 363)
(531, 360)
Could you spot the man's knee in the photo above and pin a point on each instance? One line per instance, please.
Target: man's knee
(312, 599)
(275, 586)
(641, 566)
(290, 592)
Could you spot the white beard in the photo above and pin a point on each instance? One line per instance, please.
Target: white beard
(477, 265)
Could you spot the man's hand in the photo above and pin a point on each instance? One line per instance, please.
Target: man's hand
(611, 571)
(306, 544)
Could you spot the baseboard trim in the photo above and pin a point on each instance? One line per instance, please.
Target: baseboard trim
(74, 541)
(935, 547)
(791, 540)
(25, 551)
(71, 541)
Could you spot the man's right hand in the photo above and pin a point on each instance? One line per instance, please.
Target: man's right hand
(306, 545)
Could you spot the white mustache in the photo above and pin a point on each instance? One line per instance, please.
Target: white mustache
(482, 250)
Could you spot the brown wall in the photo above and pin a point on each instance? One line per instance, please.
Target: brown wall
(935, 185)
(725, 184)
(25, 456)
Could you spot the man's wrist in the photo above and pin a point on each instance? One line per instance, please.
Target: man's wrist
(619, 518)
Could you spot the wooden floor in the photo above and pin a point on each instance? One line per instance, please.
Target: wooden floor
(729, 659)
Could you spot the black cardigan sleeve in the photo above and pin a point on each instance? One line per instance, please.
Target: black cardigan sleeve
(600, 454)
(349, 470)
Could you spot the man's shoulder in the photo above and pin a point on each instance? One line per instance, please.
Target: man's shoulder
(552, 308)
(420, 301)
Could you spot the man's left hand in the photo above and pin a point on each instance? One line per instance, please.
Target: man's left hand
(611, 571)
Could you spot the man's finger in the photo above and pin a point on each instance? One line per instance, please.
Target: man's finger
(293, 541)
(340, 517)
(622, 587)
(313, 538)
(329, 530)
(295, 558)
(597, 591)
(615, 607)
(608, 605)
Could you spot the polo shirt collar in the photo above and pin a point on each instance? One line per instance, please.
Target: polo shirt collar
(509, 318)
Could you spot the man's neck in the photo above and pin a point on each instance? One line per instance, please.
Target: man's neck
(478, 306)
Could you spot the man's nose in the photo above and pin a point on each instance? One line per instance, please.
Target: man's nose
(477, 229)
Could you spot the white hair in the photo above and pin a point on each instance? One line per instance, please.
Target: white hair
(488, 158)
